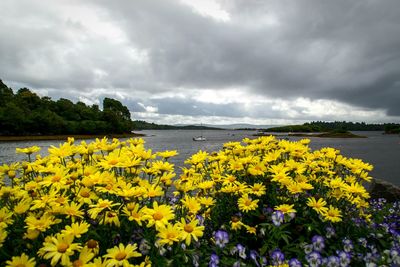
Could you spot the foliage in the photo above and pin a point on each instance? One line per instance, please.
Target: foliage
(256, 203)
(338, 126)
(25, 113)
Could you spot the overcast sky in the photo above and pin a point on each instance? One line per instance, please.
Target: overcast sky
(210, 61)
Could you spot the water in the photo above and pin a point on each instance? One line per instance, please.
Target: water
(382, 151)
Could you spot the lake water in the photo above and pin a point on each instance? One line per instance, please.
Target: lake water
(382, 151)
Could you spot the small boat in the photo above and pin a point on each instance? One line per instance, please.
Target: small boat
(199, 138)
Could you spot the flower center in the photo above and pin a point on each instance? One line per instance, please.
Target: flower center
(62, 247)
(247, 202)
(188, 228)
(92, 243)
(85, 194)
(157, 216)
(120, 256)
(113, 162)
(77, 263)
(171, 235)
(56, 178)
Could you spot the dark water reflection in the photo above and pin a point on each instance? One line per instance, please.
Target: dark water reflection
(383, 151)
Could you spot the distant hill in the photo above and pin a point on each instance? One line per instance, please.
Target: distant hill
(235, 126)
(143, 125)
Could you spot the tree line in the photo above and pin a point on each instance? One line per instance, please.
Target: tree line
(26, 113)
(338, 126)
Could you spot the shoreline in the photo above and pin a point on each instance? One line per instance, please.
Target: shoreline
(12, 138)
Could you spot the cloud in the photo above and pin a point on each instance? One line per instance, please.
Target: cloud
(230, 60)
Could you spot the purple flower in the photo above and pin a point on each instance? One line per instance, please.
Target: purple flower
(330, 231)
(214, 260)
(333, 261)
(344, 258)
(221, 238)
(294, 263)
(254, 255)
(314, 259)
(241, 250)
(277, 217)
(277, 257)
(318, 242)
(347, 244)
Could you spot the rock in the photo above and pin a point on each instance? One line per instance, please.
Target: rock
(382, 189)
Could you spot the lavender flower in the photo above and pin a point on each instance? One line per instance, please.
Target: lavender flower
(277, 218)
(221, 238)
(333, 261)
(344, 258)
(330, 232)
(241, 250)
(294, 263)
(318, 243)
(214, 260)
(314, 259)
(254, 255)
(347, 244)
(277, 257)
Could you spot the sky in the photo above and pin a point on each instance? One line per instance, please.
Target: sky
(210, 61)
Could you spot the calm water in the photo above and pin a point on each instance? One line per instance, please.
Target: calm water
(383, 151)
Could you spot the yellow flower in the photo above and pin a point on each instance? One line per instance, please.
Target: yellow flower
(102, 204)
(31, 234)
(257, 189)
(111, 218)
(169, 235)
(28, 150)
(131, 210)
(42, 223)
(158, 215)
(72, 210)
(153, 191)
(84, 257)
(5, 217)
(317, 205)
(167, 154)
(3, 236)
(190, 230)
(250, 229)
(118, 256)
(246, 204)
(192, 204)
(76, 229)
(207, 201)
(332, 214)
(21, 261)
(59, 248)
(285, 208)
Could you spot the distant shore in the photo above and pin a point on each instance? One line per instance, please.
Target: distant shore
(322, 135)
(6, 138)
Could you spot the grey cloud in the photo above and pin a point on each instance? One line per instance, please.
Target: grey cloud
(317, 49)
(342, 50)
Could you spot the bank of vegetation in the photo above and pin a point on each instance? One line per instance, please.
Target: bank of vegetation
(24, 114)
(336, 127)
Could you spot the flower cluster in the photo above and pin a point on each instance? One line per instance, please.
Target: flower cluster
(259, 202)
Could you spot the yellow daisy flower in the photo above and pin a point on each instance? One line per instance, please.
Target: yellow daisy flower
(118, 256)
(332, 214)
(76, 229)
(169, 235)
(285, 208)
(21, 261)
(59, 248)
(190, 230)
(159, 215)
(317, 205)
(246, 204)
